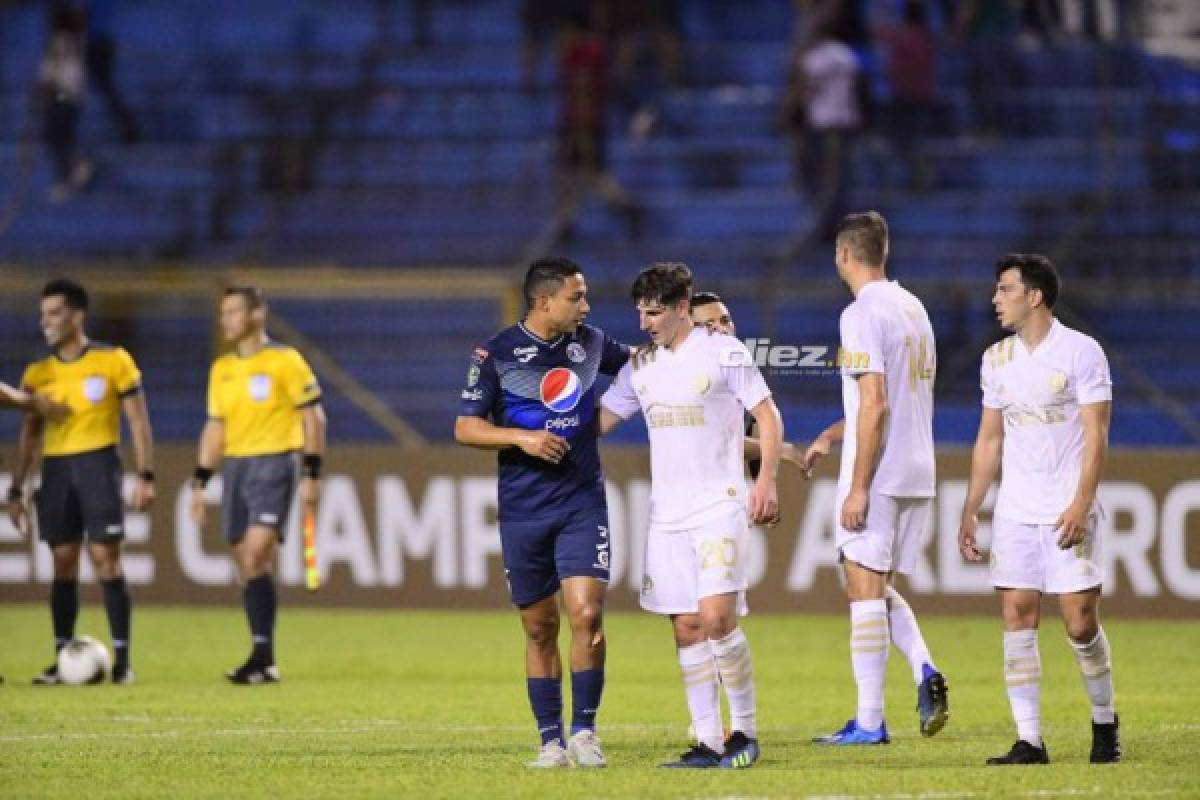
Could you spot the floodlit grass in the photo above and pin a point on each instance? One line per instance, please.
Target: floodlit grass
(429, 704)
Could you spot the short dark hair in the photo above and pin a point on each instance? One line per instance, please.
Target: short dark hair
(546, 276)
(665, 282)
(254, 297)
(866, 234)
(705, 299)
(72, 293)
(1037, 272)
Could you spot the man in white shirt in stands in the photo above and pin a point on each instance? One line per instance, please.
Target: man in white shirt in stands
(1047, 401)
(693, 387)
(885, 487)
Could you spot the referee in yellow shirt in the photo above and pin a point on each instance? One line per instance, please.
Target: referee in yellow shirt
(263, 407)
(81, 484)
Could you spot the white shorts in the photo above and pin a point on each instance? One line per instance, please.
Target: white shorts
(1028, 557)
(897, 529)
(682, 566)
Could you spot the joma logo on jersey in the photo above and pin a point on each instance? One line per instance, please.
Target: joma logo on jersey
(560, 390)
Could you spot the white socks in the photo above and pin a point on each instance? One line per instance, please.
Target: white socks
(868, 654)
(906, 634)
(1096, 667)
(699, 670)
(737, 676)
(1023, 677)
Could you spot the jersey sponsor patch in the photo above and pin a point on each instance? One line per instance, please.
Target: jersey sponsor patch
(561, 390)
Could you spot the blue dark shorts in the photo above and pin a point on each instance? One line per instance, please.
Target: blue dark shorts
(540, 551)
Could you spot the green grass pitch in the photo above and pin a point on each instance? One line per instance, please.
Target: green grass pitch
(430, 705)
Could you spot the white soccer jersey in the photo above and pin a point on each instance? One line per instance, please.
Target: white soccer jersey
(886, 330)
(693, 401)
(1040, 393)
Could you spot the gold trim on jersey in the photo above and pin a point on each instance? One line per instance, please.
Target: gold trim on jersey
(661, 415)
(643, 355)
(1002, 352)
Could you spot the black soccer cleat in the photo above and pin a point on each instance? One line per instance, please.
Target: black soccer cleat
(1022, 753)
(701, 756)
(122, 675)
(1106, 742)
(48, 676)
(741, 752)
(253, 673)
(933, 705)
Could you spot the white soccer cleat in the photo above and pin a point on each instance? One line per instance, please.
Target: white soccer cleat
(584, 750)
(551, 756)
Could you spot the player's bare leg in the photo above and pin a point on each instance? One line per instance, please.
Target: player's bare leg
(118, 605)
(1081, 615)
(583, 598)
(254, 555)
(64, 603)
(543, 672)
(933, 705)
(1021, 610)
(869, 645)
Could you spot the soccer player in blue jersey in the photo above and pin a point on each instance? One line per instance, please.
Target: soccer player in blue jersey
(530, 394)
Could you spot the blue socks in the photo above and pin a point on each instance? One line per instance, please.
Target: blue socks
(545, 697)
(586, 688)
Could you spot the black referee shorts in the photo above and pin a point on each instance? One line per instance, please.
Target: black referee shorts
(257, 491)
(81, 493)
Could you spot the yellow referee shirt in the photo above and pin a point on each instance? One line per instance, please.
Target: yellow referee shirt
(92, 385)
(259, 399)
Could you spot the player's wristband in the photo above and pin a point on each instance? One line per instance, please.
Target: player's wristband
(14, 494)
(200, 476)
(311, 465)
(147, 475)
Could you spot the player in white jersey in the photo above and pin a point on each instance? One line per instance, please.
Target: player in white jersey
(885, 489)
(1047, 401)
(693, 387)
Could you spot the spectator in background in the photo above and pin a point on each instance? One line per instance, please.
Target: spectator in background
(541, 21)
(101, 60)
(824, 109)
(583, 129)
(988, 29)
(62, 78)
(911, 74)
(641, 27)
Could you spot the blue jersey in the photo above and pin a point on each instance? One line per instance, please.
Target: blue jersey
(519, 380)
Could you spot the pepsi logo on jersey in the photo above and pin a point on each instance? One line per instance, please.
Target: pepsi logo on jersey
(561, 390)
